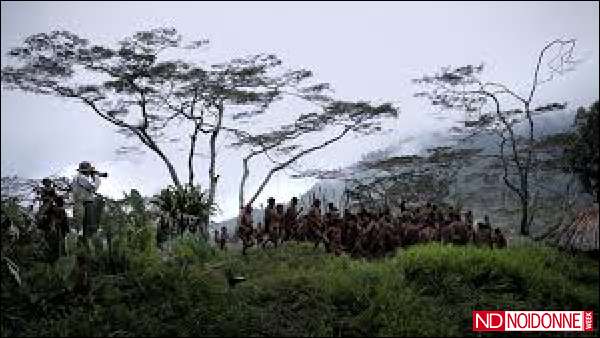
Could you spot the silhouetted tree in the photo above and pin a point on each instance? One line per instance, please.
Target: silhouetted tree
(246, 87)
(125, 85)
(361, 118)
(462, 89)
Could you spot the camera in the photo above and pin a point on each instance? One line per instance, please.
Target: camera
(94, 172)
(101, 174)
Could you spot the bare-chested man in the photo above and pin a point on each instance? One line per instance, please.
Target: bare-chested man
(270, 215)
(276, 225)
(246, 229)
(291, 220)
(314, 223)
(499, 241)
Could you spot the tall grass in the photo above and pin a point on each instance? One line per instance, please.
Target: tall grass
(426, 290)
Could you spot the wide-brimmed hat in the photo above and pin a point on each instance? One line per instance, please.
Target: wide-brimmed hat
(85, 166)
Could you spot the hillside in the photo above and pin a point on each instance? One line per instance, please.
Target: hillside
(479, 186)
(426, 290)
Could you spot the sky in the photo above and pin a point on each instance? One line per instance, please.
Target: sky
(366, 50)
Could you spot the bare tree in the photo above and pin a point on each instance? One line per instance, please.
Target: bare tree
(462, 89)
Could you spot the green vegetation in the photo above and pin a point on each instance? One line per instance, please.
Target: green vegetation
(583, 153)
(579, 148)
(188, 200)
(294, 290)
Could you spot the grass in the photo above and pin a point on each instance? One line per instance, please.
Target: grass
(426, 290)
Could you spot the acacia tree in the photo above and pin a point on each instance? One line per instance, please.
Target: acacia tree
(124, 85)
(463, 89)
(244, 86)
(273, 141)
(360, 118)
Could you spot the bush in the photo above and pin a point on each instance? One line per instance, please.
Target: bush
(426, 290)
(190, 249)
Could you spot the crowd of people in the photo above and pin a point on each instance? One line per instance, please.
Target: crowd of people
(51, 217)
(364, 233)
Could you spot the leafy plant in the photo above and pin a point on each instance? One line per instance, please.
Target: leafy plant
(188, 200)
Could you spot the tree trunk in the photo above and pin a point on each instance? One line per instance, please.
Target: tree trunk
(169, 165)
(263, 184)
(143, 137)
(245, 173)
(525, 221)
(213, 157)
(524, 217)
(194, 137)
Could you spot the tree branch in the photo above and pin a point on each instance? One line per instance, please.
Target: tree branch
(294, 158)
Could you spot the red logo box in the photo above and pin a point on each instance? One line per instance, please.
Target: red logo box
(533, 321)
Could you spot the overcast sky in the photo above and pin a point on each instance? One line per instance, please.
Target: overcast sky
(366, 50)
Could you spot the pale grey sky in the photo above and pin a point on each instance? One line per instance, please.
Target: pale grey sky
(366, 50)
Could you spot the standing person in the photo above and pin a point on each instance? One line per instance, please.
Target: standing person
(52, 218)
(334, 237)
(469, 219)
(314, 223)
(259, 234)
(276, 225)
(483, 235)
(223, 239)
(46, 196)
(216, 233)
(85, 205)
(59, 226)
(291, 222)
(331, 230)
(270, 214)
(246, 229)
(499, 241)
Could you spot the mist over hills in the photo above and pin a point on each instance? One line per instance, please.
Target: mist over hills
(477, 187)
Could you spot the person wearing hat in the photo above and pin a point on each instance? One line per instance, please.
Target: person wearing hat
(85, 184)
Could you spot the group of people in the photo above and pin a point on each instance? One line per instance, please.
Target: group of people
(51, 217)
(365, 233)
(221, 238)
